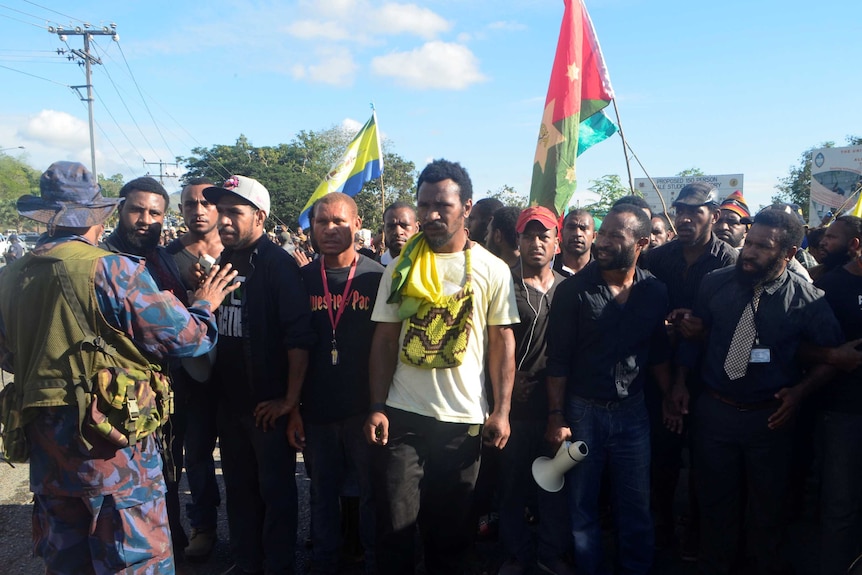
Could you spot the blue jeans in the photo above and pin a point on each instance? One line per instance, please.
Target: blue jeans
(617, 435)
(331, 450)
(201, 433)
(841, 493)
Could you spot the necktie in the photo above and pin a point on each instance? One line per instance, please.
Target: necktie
(736, 363)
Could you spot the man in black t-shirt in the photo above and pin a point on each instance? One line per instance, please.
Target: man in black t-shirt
(264, 337)
(342, 288)
(840, 418)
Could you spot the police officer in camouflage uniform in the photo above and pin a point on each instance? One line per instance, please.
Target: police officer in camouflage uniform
(99, 507)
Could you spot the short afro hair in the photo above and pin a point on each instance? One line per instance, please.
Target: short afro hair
(782, 219)
(440, 170)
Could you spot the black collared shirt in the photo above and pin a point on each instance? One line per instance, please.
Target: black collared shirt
(790, 311)
(667, 263)
(603, 347)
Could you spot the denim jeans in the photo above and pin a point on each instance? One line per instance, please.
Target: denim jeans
(260, 487)
(518, 490)
(201, 434)
(841, 493)
(617, 435)
(331, 450)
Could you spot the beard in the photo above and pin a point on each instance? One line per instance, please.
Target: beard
(760, 273)
(142, 243)
(618, 261)
(834, 260)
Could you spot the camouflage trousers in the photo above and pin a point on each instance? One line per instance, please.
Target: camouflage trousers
(102, 535)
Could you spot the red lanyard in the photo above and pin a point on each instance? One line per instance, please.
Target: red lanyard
(334, 318)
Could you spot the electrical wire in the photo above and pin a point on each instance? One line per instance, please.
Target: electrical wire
(55, 12)
(116, 123)
(35, 76)
(105, 135)
(144, 101)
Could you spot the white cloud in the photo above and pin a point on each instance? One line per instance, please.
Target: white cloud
(411, 19)
(313, 29)
(59, 129)
(439, 65)
(335, 67)
(504, 25)
(350, 125)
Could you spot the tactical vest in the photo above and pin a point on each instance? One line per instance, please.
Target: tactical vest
(65, 352)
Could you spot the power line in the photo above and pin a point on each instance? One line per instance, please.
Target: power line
(35, 76)
(23, 21)
(54, 11)
(102, 101)
(22, 12)
(131, 116)
(121, 156)
(144, 101)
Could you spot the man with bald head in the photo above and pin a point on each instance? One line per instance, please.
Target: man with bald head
(342, 288)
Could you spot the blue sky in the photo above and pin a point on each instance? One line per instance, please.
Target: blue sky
(728, 87)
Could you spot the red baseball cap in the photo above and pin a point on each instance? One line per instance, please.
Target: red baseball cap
(539, 214)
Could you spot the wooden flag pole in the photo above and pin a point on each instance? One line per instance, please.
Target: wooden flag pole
(382, 195)
(655, 187)
(625, 146)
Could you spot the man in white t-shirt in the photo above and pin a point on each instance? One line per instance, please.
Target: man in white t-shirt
(447, 316)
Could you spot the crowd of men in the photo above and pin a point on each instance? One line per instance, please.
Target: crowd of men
(468, 333)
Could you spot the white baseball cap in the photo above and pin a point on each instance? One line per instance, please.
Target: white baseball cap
(247, 188)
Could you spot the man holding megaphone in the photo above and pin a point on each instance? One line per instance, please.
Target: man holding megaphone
(606, 328)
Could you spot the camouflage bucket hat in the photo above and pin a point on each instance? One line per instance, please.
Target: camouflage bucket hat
(70, 198)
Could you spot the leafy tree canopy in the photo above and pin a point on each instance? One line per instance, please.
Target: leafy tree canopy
(609, 188)
(509, 196)
(291, 172)
(795, 187)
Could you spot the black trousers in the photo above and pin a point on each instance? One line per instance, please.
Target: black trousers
(425, 477)
(733, 447)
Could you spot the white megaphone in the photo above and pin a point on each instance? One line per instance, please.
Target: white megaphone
(550, 473)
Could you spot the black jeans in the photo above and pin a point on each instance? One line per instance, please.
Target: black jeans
(425, 476)
(260, 487)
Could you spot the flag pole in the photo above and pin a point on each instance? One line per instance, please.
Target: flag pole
(625, 145)
(655, 186)
(382, 195)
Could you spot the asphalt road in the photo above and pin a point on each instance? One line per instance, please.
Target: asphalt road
(16, 552)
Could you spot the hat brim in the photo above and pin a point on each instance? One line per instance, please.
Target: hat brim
(695, 204)
(65, 214)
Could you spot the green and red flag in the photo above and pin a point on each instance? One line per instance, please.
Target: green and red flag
(573, 120)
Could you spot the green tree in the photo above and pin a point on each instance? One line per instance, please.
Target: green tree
(609, 188)
(291, 172)
(691, 172)
(795, 187)
(17, 178)
(509, 196)
(111, 186)
(399, 179)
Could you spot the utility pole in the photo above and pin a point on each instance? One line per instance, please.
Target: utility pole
(162, 174)
(88, 61)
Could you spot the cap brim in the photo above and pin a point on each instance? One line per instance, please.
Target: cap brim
(214, 193)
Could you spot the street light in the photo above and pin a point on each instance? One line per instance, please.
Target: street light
(12, 148)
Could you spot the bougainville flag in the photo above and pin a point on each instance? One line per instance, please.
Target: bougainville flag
(361, 162)
(573, 119)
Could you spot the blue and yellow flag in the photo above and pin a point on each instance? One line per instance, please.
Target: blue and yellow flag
(361, 162)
